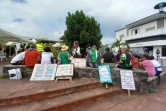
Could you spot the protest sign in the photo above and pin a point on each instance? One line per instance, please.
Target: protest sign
(104, 74)
(79, 62)
(64, 70)
(44, 72)
(127, 80)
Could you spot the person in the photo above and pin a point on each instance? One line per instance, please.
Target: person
(47, 57)
(32, 56)
(39, 47)
(57, 47)
(158, 54)
(0, 47)
(7, 50)
(94, 57)
(125, 58)
(76, 50)
(13, 50)
(157, 65)
(64, 56)
(86, 55)
(119, 54)
(18, 59)
(108, 57)
(147, 65)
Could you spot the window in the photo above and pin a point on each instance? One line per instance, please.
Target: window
(160, 23)
(134, 32)
(150, 29)
(163, 50)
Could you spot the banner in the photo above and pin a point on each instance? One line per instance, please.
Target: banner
(127, 80)
(64, 70)
(105, 74)
(44, 72)
(79, 62)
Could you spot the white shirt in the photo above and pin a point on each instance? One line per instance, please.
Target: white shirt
(157, 65)
(78, 51)
(18, 57)
(46, 57)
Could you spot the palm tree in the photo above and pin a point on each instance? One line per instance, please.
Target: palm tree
(119, 43)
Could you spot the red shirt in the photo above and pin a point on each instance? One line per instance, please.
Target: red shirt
(31, 57)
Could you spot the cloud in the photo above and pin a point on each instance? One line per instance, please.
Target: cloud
(46, 18)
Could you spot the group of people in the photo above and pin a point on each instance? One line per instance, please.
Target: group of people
(124, 58)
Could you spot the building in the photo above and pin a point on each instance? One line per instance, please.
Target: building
(146, 35)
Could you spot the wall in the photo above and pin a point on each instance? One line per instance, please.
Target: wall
(142, 28)
(120, 33)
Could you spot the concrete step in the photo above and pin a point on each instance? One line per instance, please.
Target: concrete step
(28, 95)
(68, 101)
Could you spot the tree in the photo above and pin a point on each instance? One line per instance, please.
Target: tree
(119, 43)
(82, 28)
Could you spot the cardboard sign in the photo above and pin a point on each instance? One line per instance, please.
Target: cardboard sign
(105, 74)
(44, 72)
(79, 62)
(127, 80)
(64, 70)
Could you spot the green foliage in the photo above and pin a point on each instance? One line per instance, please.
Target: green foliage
(40, 40)
(3, 43)
(119, 43)
(82, 28)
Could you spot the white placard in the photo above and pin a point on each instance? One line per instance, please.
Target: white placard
(127, 80)
(79, 62)
(44, 72)
(64, 70)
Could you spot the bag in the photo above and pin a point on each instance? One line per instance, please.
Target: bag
(15, 73)
(134, 62)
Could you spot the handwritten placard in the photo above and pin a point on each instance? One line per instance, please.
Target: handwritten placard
(105, 74)
(127, 80)
(44, 72)
(64, 70)
(79, 62)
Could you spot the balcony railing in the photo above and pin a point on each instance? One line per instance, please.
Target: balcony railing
(146, 34)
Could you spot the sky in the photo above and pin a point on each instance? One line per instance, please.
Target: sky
(46, 18)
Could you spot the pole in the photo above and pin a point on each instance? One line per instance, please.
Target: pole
(129, 93)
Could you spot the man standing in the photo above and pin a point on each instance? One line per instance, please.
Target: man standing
(94, 57)
(158, 54)
(32, 56)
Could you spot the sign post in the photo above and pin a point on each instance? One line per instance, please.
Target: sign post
(43, 72)
(64, 71)
(105, 74)
(127, 80)
(79, 62)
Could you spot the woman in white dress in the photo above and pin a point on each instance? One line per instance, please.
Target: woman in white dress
(47, 56)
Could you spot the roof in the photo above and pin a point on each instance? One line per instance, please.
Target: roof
(8, 36)
(145, 20)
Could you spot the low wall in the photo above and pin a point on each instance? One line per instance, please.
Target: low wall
(142, 82)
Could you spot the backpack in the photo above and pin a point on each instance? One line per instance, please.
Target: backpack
(134, 62)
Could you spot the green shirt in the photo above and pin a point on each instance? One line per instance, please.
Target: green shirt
(64, 57)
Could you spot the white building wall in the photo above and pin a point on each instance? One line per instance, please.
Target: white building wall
(120, 33)
(142, 28)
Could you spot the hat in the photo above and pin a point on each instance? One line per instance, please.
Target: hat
(64, 48)
(57, 45)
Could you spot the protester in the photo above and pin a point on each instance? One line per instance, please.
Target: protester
(7, 50)
(86, 55)
(147, 65)
(158, 54)
(39, 47)
(64, 56)
(108, 57)
(47, 57)
(18, 59)
(94, 57)
(32, 56)
(119, 54)
(58, 47)
(13, 50)
(125, 58)
(76, 50)
(157, 65)
(0, 47)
